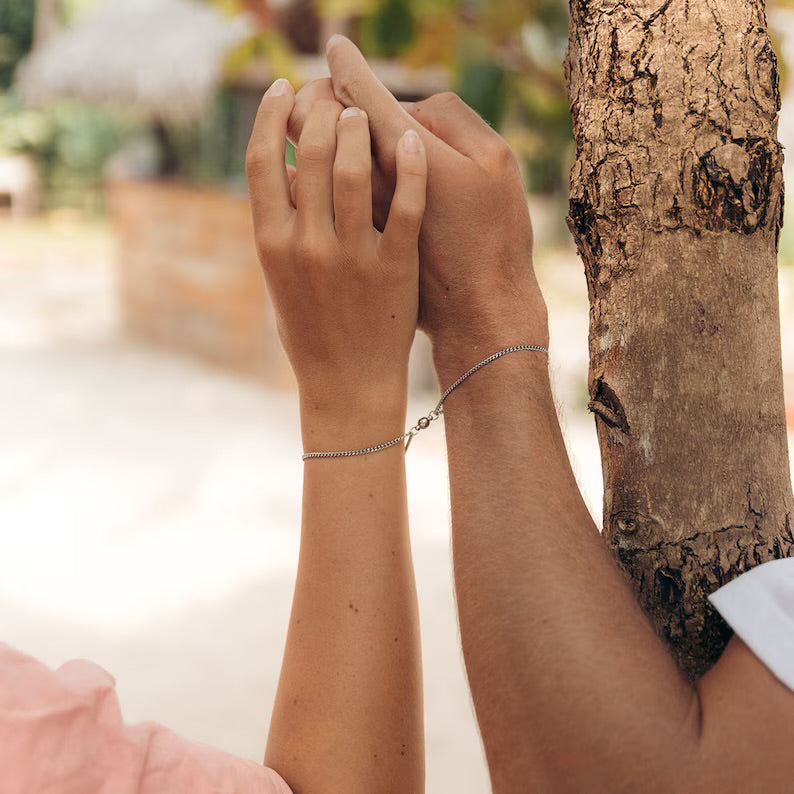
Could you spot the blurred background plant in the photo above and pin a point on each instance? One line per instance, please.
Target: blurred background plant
(70, 142)
(504, 58)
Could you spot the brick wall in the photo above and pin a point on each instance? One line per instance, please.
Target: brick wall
(190, 279)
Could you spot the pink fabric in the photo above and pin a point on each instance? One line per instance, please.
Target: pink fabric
(61, 732)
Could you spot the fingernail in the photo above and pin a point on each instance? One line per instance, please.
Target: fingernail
(279, 88)
(332, 42)
(411, 142)
(349, 112)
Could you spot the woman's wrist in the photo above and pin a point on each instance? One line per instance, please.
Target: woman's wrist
(353, 417)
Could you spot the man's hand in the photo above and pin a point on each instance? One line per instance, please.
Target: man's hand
(477, 291)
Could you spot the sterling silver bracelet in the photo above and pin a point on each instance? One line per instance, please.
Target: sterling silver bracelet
(424, 422)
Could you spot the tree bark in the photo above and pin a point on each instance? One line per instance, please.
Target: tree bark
(676, 207)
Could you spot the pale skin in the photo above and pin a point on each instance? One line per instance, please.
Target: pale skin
(572, 689)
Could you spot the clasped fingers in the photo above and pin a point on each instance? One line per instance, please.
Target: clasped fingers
(337, 283)
(353, 179)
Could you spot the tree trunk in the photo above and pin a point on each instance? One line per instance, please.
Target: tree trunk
(676, 207)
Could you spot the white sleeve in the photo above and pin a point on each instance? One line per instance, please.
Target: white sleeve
(759, 607)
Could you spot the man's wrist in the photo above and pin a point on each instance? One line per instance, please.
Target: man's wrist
(457, 351)
(490, 400)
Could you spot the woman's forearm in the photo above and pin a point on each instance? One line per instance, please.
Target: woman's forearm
(348, 711)
(349, 698)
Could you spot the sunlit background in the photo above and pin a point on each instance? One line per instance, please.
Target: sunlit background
(150, 466)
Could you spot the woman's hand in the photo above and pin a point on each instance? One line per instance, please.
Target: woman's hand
(345, 295)
(348, 712)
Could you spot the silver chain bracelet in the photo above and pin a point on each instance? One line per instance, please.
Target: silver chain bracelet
(424, 421)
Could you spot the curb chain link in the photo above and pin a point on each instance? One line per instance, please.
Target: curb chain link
(424, 421)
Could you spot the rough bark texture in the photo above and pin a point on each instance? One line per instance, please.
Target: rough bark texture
(676, 207)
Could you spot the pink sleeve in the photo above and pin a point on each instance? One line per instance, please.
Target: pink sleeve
(62, 731)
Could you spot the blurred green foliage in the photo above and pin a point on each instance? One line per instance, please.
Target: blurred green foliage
(16, 30)
(22, 129)
(73, 158)
(504, 57)
(505, 60)
(391, 27)
(70, 141)
(482, 85)
(71, 144)
(209, 152)
(16, 36)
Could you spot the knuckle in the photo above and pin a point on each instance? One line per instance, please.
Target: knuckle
(311, 252)
(500, 153)
(445, 100)
(353, 175)
(262, 243)
(416, 171)
(317, 90)
(407, 212)
(327, 106)
(257, 159)
(395, 265)
(314, 152)
(448, 98)
(270, 245)
(355, 266)
(347, 88)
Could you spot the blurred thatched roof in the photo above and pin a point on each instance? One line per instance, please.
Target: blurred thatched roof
(162, 57)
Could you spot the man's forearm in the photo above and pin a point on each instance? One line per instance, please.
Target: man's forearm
(571, 686)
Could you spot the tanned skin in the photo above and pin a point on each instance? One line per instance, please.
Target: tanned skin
(573, 690)
(348, 711)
